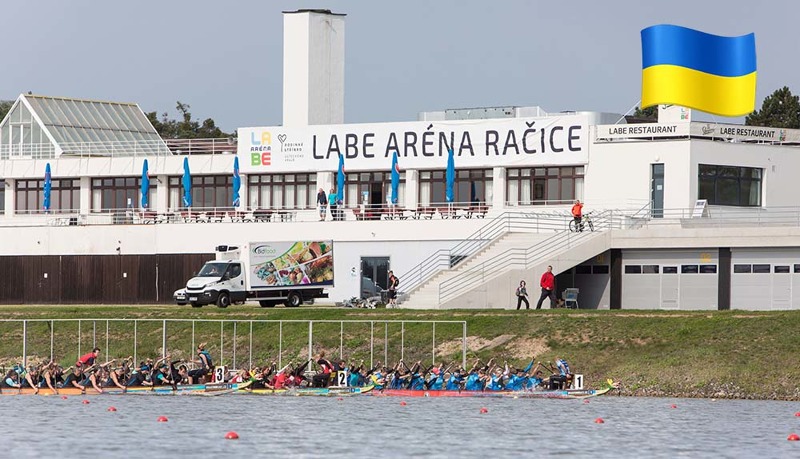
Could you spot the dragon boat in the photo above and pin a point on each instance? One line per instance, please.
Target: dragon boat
(186, 389)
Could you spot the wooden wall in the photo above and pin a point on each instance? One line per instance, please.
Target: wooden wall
(96, 279)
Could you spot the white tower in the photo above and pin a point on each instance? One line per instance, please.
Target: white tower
(313, 67)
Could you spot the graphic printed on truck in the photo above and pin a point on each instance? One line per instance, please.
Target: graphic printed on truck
(281, 264)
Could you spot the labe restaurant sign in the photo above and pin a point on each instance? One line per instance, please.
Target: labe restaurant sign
(512, 142)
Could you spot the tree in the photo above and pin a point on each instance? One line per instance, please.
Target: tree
(5, 106)
(185, 127)
(779, 110)
(650, 113)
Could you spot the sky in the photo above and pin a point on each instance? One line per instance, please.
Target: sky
(225, 58)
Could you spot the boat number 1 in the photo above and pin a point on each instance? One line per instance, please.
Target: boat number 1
(577, 382)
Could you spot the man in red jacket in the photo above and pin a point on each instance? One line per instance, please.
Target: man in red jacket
(548, 284)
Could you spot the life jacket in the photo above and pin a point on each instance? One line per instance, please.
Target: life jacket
(208, 363)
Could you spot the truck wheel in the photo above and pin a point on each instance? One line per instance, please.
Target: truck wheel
(223, 300)
(267, 303)
(294, 300)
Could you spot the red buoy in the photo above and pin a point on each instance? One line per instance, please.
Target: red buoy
(231, 436)
(403, 403)
(796, 414)
(599, 421)
(673, 406)
(585, 401)
(85, 402)
(162, 419)
(111, 408)
(340, 399)
(793, 437)
(63, 397)
(484, 411)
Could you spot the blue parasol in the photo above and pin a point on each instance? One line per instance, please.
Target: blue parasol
(145, 186)
(450, 176)
(340, 180)
(395, 178)
(187, 184)
(237, 182)
(48, 184)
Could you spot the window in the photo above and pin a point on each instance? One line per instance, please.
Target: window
(729, 185)
(600, 269)
(282, 191)
(583, 269)
(471, 185)
(633, 269)
(761, 269)
(781, 269)
(64, 195)
(2, 196)
(650, 269)
(670, 270)
(208, 191)
(689, 269)
(708, 269)
(543, 185)
(114, 193)
(742, 269)
(372, 188)
(797, 269)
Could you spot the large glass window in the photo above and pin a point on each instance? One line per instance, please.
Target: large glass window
(471, 186)
(282, 191)
(64, 196)
(2, 196)
(544, 185)
(208, 192)
(729, 185)
(372, 188)
(120, 193)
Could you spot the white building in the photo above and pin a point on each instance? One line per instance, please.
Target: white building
(687, 215)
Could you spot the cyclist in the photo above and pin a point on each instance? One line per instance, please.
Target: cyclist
(577, 213)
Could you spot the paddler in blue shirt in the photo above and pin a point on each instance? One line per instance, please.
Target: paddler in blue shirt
(436, 381)
(455, 380)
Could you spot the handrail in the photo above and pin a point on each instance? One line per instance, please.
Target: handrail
(507, 221)
(518, 257)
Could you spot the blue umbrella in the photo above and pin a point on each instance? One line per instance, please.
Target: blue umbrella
(48, 184)
(237, 182)
(187, 184)
(340, 180)
(395, 178)
(145, 186)
(450, 176)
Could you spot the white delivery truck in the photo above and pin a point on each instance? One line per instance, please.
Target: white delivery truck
(269, 272)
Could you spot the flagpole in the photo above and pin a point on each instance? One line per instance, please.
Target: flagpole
(629, 110)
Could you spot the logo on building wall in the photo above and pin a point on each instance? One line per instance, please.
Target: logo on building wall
(261, 148)
(782, 135)
(707, 129)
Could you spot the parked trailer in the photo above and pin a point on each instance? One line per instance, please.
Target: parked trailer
(269, 272)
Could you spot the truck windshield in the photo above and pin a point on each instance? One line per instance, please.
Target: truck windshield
(212, 270)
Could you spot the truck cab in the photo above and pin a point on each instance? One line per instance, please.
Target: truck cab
(219, 282)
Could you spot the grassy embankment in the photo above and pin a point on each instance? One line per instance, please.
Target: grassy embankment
(695, 354)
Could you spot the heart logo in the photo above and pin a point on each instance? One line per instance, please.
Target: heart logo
(281, 137)
(529, 124)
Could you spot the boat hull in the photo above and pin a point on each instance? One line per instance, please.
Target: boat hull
(188, 389)
(312, 391)
(558, 394)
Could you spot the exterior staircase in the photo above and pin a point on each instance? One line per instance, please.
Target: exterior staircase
(484, 270)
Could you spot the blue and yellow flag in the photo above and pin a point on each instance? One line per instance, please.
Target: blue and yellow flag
(694, 69)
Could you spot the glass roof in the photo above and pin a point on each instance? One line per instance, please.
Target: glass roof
(112, 128)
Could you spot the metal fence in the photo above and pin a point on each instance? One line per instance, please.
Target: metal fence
(145, 337)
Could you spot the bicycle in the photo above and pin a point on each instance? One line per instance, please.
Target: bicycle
(586, 220)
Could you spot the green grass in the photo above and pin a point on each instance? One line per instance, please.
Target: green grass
(704, 354)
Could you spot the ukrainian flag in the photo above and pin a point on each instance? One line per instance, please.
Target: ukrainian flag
(694, 69)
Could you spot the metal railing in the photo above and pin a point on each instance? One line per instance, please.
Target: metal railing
(135, 148)
(513, 221)
(519, 258)
(158, 334)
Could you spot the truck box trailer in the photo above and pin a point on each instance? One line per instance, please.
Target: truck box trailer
(268, 272)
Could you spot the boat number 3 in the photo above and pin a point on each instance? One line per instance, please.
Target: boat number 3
(219, 374)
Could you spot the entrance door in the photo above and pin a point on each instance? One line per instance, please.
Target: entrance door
(374, 276)
(670, 287)
(657, 190)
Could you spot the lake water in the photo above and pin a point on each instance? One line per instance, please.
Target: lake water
(369, 427)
